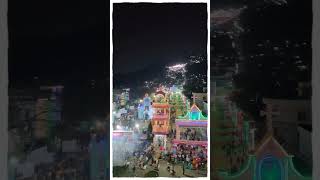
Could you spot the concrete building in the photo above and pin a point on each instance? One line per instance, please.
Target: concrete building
(201, 100)
(286, 116)
(22, 104)
(305, 142)
(269, 161)
(48, 110)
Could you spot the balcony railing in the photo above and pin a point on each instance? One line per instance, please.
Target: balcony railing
(160, 130)
(160, 116)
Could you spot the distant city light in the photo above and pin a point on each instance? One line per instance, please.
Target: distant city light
(177, 67)
(278, 2)
(223, 16)
(233, 44)
(99, 124)
(303, 67)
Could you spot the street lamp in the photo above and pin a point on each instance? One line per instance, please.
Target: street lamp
(137, 125)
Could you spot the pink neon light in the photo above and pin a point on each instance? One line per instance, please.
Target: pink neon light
(203, 143)
(192, 123)
(156, 116)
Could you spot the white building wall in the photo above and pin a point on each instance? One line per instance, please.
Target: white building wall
(305, 144)
(316, 89)
(3, 89)
(286, 120)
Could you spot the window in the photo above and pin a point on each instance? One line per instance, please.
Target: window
(302, 116)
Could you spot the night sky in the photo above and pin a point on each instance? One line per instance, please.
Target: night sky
(145, 33)
(55, 40)
(62, 43)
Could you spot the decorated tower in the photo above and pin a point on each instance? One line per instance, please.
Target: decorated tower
(140, 111)
(145, 108)
(178, 102)
(161, 118)
(48, 111)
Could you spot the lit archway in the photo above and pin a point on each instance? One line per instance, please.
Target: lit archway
(270, 168)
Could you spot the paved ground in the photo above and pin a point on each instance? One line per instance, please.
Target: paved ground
(163, 172)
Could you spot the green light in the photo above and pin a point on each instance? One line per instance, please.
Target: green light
(195, 115)
(271, 169)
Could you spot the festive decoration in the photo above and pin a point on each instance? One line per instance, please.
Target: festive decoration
(145, 110)
(192, 128)
(193, 114)
(269, 161)
(177, 102)
(161, 118)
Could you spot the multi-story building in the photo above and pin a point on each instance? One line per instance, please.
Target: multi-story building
(192, 128)
(161, 118)
(48, 111)
(22, 103)
(287, 115)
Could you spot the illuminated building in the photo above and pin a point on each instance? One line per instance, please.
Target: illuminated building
(269, 161)
(140, 111)
(48, 111)
(178, 102)
(201, 100)
(124, 97)
(99, 157)
(145, 108)
(161, 118)
(22, 104)
(191, 129)
(123, 100)
(285, 114)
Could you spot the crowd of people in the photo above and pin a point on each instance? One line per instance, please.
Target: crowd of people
(192, 157)
(149, 157)
(143, 156)
(193, 135)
